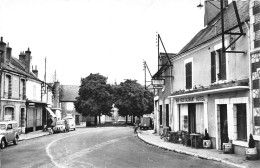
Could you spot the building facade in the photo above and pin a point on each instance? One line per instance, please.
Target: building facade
(23, 97)
(212, 89)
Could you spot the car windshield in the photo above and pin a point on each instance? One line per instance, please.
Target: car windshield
(2, 127)
(60, 123)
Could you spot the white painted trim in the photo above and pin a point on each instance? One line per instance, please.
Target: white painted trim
(240, 143)
(229, 89)
(13, 100)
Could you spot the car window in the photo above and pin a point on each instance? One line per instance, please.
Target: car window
(9, 126)
(2, 127)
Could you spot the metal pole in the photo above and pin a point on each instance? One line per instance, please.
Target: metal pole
(144, 75)
(222, 27)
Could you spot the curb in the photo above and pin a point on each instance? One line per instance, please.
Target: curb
(192, 154)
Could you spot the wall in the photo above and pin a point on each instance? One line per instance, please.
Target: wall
(237, 65)
(33, 91)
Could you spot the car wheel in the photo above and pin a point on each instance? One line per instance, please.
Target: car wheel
(74, 129)
(15, 141)
(3, 144)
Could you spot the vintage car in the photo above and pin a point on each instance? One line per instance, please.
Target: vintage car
(71, 122)
(9, 133)
(61, 126)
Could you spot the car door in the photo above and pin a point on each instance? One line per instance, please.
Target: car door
(9, 132)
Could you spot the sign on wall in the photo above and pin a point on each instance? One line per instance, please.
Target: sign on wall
(158, 81)
(191, 99)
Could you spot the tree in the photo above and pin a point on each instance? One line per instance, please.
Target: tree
(95, 96)
(132, 99)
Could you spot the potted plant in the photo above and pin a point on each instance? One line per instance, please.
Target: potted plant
(206, 140)
(227, 146)
(251, 151)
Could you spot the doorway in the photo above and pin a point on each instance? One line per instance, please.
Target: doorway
(192, 118)
(223, 124)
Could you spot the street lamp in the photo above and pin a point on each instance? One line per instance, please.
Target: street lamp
(200, 5)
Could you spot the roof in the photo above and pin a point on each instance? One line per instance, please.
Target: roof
(69, 93)
(16, 66)
(164, 64)
(213, 29)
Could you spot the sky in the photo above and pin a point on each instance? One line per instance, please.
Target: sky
(109, 37)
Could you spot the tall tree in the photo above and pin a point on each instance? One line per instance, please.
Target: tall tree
(95, 96)
(132, 99)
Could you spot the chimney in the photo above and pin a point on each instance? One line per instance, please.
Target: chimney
(28, 60)
(35, 71)
(8, 53)
(2, 49)
(212, 8)
(22, 57)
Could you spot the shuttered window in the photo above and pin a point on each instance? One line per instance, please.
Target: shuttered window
(160, 112)
(222, 65)
(213, 67)
(188, 68)
(167, 115)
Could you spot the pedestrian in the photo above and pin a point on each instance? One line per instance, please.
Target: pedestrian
(137, 122)
(49, 125)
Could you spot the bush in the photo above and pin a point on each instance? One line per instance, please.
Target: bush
(206, 136)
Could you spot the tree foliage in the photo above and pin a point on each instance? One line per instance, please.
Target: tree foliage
(95, 96)
(133, 99)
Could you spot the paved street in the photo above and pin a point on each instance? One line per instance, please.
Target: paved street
(114, 147)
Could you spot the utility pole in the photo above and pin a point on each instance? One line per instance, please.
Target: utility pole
(45, 60)
(144, 74)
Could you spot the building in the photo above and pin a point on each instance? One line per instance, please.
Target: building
(68, 94)
(210, 87)
(23, 97)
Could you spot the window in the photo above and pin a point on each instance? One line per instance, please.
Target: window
(167, 115)
(22, 89)
(8, 87)
(160, 112)
(241, 122)
(218, 66)
(188, 70)
(9, 113)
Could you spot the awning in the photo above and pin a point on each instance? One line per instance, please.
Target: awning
(50, 112)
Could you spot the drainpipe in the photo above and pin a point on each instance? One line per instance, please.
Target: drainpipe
(250, 78)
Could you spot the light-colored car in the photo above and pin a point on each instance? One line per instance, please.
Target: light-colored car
(121, 122)
(60, 126)
(71, 122)
(9, 133)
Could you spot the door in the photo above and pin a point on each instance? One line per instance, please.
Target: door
(9, 132)
(192, 118)
(223, 123)
(241, 122)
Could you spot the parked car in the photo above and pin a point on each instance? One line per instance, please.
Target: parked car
(71, 122)
(9, 133)
(61, 126)
(146, 123)
(121, 122)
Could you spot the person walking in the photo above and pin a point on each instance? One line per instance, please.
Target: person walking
(137, 122)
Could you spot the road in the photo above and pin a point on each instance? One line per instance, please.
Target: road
(106, 147)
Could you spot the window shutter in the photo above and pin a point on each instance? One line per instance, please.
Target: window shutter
(223, 75)
(188, 67)
(213, 67)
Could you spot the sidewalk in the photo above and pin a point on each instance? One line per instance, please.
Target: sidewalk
(40, 133)
(209, 154)
(32, 135)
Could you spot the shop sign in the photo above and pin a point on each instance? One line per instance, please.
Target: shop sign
(158, 81)
(31, 104)
(191, 99)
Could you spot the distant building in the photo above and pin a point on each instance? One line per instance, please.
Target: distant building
(68, 94)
